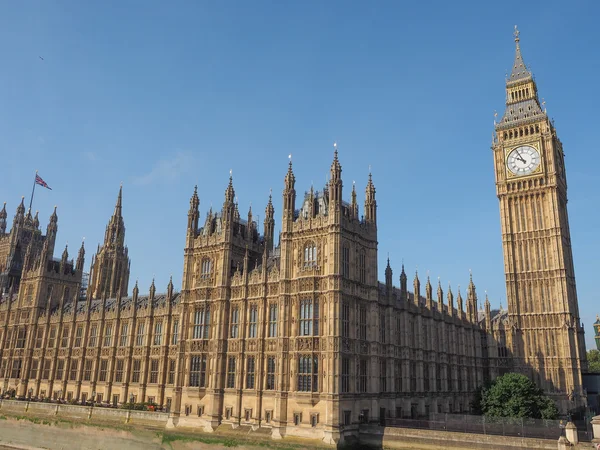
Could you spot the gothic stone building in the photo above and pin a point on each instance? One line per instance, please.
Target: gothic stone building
(298, 337)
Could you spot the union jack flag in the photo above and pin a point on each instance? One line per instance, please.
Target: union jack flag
(38, 180)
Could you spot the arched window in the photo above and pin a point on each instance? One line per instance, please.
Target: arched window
(206, 268)
(310, 254)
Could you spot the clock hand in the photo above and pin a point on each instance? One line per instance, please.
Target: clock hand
(520, 157)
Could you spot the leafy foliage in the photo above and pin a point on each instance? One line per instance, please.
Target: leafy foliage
(593, 357)
(514, 395)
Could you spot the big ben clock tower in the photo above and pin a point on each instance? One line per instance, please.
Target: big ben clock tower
(545, 332)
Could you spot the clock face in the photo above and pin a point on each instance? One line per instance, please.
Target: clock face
(523, 160)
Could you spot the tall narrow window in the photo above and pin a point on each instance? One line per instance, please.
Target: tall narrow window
(119, 371)
(235, 316)
(33, 370)
(124, 335)
(73, 365)
(413, 377)
(345, 375)
(231, 372)
(309, 317)
(345, 319)
(197, 371)
(60, 368)
(103, 370)
(108, 335)
(175, 335)
(345, 262)
(171, 379)
(16, 368)
(87, 370)
(397, 377)
(310, 255)
(135, 373)
(382, 375)
(64, 342)
(78, 336)
(250, 372)
(361, 379)
(93, 336)
(51, 339)
(39, 337)
(426, 385)
(158, 333)
(270, 373)
(206, 268)
(362, 323)
(21, 335)
(154, 371)
(139, 339)
(46, 371)
(201, 323)
(362, 267)
(273, 320)
(382, 327)
(308, 373)
(252, 321)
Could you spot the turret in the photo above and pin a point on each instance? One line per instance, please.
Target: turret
(80, 257)
(170, 288)
(354, 204)
(36, 220)
(3, 216)
(388, 279)
(269, 229)
(193, 214)
(428, 295)
(450, 301)
(488, 314)
(440, 297)
(19, 218)
(417, 289)
(228, 204)
(51, 231)
(335, 184)
(403, 286)
(64, 259)
(370, 202)
(471, 300)
(289, 196)
(459, 303)
(151, 296)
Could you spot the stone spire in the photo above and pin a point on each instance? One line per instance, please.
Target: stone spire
(354, 204)
(450, 301)
(459, 303)
(428, 294)
(335, 182)
(289, 196)
(193, 213)
(230, 192)
(440, 297)
(269, 224)
(36, 220)
(370, 202)
(417, 289)
(3, 216)
(388, 277)
(403, 286)
(519, 70)
(80, 257)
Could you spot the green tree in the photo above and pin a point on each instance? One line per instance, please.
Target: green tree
(514, 395)
(593, 357)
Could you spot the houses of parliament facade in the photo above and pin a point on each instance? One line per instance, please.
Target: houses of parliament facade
(300, 336)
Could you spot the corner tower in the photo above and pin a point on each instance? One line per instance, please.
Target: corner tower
(110, 266)
(546, 333)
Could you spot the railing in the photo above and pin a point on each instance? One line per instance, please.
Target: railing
(527, 428)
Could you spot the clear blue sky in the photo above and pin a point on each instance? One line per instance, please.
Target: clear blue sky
(166, 95)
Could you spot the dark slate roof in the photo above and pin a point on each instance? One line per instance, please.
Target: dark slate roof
(519, 70)
(521, 111)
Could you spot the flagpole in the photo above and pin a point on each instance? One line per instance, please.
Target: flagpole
(32, 191)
